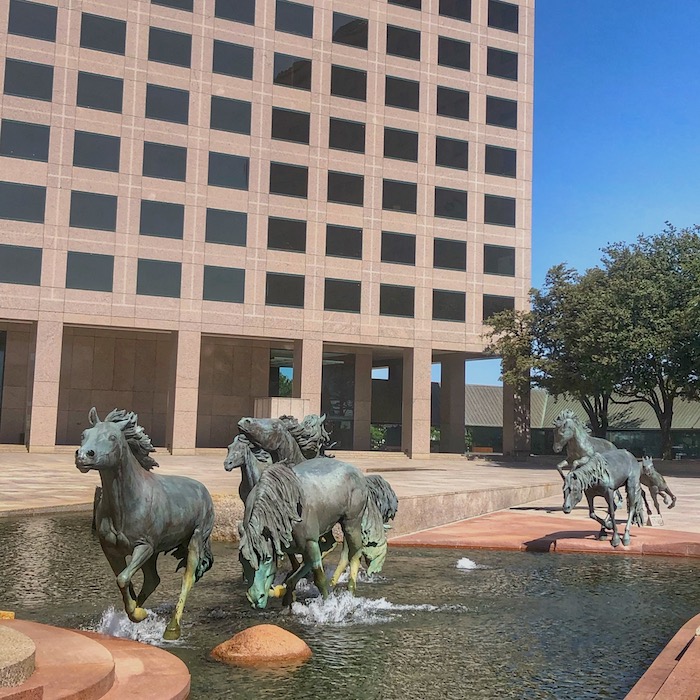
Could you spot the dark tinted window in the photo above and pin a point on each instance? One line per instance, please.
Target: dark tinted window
(499, 260)
(288, 125)
(493, 304)
(100, 92)
(450, 204)
(22, 202)
(345, 188)
(290, 180)
(20, 264)
(164, 219)
(343, 242)
(348, 82)
(286, 234)
(32, 19)
(453, 53)
(98, 151)
(342, 295)
(292, 71)
(349, 30)
(228, 114)
(399, 196)
(24, 140)
(399, 144)
(236, 10)
(294, 18)
(396, 301)
(224, 284)
(413, 4)
(284, 290)
(503, 15)
(165, 46)
(167, 104)
(502, 112)
(226, 170)
(164, 161)
(102, 33)
(502, 64)
(449, 254)
(448, 306)
(459, 9)
(499, 210)
(227, 227)
(398, 248)
(403, 42)
(402, 93)
(26, 79)
(89, 271)
(501, 161)
(346, 136)
(92, 210)
(233, 59)
(451, 153)
(176, 4)
(452, 103)
(158, 278)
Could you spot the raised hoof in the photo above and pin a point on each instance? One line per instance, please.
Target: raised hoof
(672, 504)
(171, 633)
(138, 615)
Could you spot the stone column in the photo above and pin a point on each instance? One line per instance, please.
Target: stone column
(452, 404)
(186, 393)
(516, 421)
(308, 372)
(363, 401)
(415, 423)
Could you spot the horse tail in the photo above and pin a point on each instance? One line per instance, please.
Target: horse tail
(206, 559)
(639, 516)
(203, 533)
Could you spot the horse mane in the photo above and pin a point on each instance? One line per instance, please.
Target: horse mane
(135, 436)
(275, 507)
(591, 473)
(566, 414)
(383, 496)
(252, 451)
(311, 434)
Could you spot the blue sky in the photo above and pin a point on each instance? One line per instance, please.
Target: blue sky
(617, 129)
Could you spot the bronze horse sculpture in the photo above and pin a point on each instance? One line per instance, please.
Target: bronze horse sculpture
(142, 515)
(656, 484)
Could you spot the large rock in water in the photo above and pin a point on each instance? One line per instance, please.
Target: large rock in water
(262, 645)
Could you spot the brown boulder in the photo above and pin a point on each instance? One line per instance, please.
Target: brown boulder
(262, 645)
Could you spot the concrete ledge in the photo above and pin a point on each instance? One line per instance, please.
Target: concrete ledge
(17, 654)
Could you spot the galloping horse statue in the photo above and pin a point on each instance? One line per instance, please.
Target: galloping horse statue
(656, 484)
(578, 452)
(143, 515)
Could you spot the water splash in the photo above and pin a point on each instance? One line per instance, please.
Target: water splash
(115, 623)
(362, 577)
(467, 564)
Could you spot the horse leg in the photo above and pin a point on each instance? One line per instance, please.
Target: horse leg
(610, 498)
(602, 535)
(655, 498)
(633, 489)
(151, 580)
(673, 498)
(117, 563)
(141, 554)
(354, 539)
(312, 556)
(646, 503)
(194, 555)
(342, 564)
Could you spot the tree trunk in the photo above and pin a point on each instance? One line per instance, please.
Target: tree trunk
(665, 420)
(597, 411)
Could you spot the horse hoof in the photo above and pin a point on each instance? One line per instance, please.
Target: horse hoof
(602, 535)
(672, 504)
(171, 634)
(625, 541)
(615, 542)
(138, 615)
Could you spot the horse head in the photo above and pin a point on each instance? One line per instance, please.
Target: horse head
(573, 491)
(565, 425)
(101, 446)
(236, 455)
(259, 579)
(268, 433)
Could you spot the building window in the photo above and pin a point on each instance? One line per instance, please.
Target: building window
(399, 196)
(24, 140)
(413, 4)
(227, 170)
(232, 59)
(502, 64)
(89, 271)
(503, 15)
(158, 278)
(294, 18)
(499, 210)
(97, 151)
(224, 284)
(284, 290)
(398, 248)
(286, 234)
(451, 153)
(395, 300)
(403, 42)
(448, 305)
(164, 161)
(226, 227)
(458, 9)
(399, 144)
(175, 4)
(288, 125)
(502, 112)
(342, 295)
(92, 210)
(449, 254)
(452, 103)
(27, 79)
(22, 202)
(501, 161)
(292, 71)
(450, 204)
(242, 11)
(289, 180)
(102, 34)
(499, 260)
(165, 46)
(349, 82)
(231, 115)
(100, 92)
(167, 104)
(20, 265)
(344, 135)
(162, 219)
(349, 30)
(453, 53)
(32, 19)
(346, 188)
(343, 242)
(401, 93)
(493, 304)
